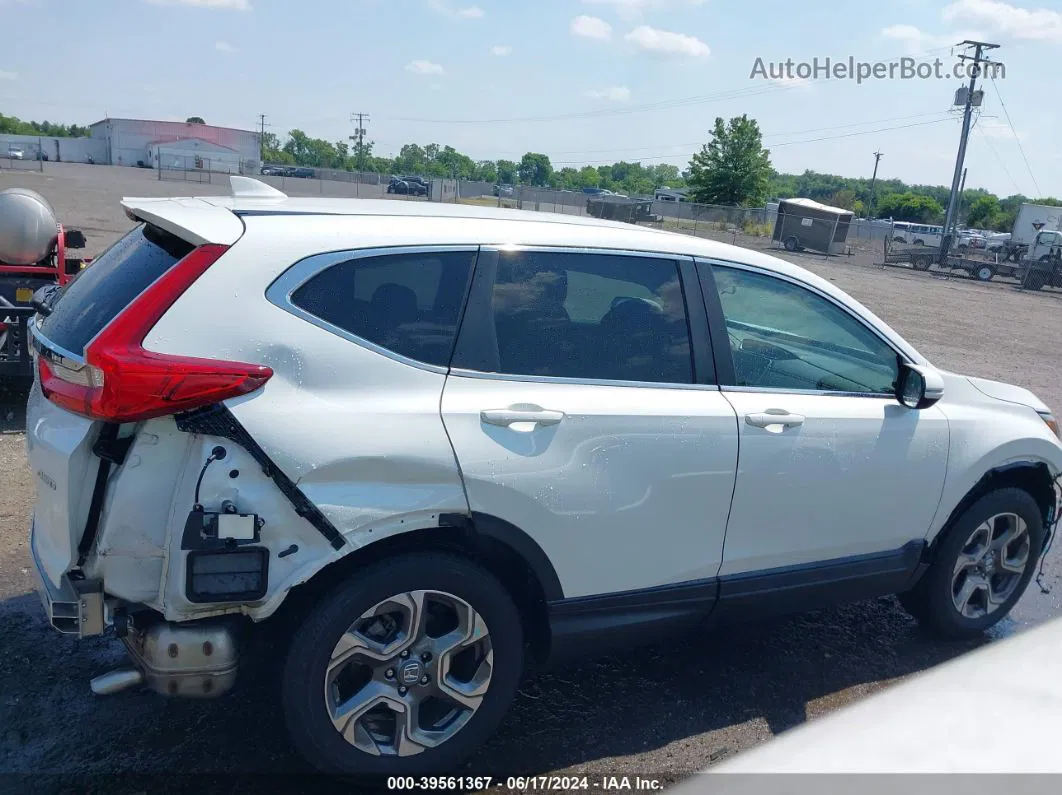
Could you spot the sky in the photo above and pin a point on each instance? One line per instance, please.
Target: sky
(584, 81)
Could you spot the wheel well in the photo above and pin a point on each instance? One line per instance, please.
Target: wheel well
(1033, 478)
(514, 573)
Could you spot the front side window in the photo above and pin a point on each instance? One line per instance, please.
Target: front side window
(784, 336)
(588, 316)
(406, 303)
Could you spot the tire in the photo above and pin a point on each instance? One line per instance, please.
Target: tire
(303, 692)
(984, 273)
(791, 243)
(921, 263)
(931, 600)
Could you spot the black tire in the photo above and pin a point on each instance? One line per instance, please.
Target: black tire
(922, 263)
(791, 243)
(930, 601)
(984, 273)
(311, 730)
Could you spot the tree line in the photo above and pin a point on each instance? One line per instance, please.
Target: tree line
(733, 168)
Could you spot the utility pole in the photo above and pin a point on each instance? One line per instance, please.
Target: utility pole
(873, 180)
(359, 137)
(261, 135)
(958, 199)
(978, 62)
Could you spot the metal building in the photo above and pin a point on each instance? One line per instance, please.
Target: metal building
(132, 142)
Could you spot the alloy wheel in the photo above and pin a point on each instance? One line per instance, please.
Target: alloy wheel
(409, 673)
(990, 565)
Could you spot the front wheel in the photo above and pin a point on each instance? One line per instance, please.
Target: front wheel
(791, 243)
(406, 669)
(982, 566)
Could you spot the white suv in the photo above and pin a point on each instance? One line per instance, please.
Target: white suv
(450, 441)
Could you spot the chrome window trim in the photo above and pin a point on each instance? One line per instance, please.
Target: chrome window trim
(279, 293)
(503, 248)
(42, 346)
(714, 263)
(551, 379)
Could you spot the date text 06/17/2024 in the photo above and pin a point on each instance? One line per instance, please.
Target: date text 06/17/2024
(523, 783)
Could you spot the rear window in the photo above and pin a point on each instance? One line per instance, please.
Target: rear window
(98, 293)
(406, 303)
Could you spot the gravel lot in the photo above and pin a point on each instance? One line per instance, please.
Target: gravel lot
(663, 711)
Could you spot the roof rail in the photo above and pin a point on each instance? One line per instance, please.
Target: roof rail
(248, 188)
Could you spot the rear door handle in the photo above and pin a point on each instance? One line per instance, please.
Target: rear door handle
(510, 416)
(774, 417)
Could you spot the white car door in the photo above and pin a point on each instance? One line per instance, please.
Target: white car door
(582, 413)
(832, 467)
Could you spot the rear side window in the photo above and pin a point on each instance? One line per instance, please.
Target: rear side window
(408, 304)
(585, 316)
(114, 279)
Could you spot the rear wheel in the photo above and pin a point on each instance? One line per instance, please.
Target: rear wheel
(921, 262)
(984, 273)
(791, 243)
(982, 566)
(404, 670)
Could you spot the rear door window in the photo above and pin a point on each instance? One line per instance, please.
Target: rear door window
(584, 316)
(109, 284)
(408, 304)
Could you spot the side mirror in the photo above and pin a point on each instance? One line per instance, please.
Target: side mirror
(918, 386)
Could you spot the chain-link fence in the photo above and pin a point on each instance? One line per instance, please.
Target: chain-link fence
(23, 161)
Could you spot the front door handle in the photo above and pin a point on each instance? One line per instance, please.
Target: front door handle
(771, 417)
(513, 415)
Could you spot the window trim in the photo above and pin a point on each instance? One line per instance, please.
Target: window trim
(280, 291)
(701, 358)
(721, 342)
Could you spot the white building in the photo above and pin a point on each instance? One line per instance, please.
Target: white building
(131, 142)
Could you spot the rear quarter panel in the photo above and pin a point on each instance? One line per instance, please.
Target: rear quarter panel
(359, 433)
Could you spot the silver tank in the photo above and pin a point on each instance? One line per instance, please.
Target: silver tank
(28, 227)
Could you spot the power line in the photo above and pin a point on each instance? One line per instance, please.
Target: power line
(1006, 113)
(775, 146)
(995, 153)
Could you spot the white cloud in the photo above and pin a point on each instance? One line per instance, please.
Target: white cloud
(443, 7)
(667, 43)
(501, 50)
(1006, 20)
(591, 27)
(918, 41)
(425, 68)
(225, 47)
(995, 129)
(228, 5)
(792, 82)
(613, 94)
(627, 9)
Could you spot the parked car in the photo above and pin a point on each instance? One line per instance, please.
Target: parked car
(445, 447)
(303, 173)
(15, 152)
(398, 186)
(273, 171)
(998, 242)
(970, 240)
(503, 190)
(418, 186)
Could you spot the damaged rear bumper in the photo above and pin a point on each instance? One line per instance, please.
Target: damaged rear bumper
(75, 606)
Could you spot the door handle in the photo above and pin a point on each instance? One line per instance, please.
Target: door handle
(774, 417)
(510, 416)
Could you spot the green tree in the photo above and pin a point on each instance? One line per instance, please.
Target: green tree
(194, 120)
(506, 172)
(588, 177)
(733, 168)
(535, 169)
(486, 171)
(910, 206)
(984, 213)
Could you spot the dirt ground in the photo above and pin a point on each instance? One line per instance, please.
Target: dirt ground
(663, 711)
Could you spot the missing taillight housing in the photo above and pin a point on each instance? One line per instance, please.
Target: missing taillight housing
(121, 381)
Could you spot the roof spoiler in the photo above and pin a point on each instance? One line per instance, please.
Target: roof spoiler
(249, 188)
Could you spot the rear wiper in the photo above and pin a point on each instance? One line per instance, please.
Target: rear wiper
(44, 299)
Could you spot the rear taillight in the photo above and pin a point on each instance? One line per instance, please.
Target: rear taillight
(122, 382)
(3, 327)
